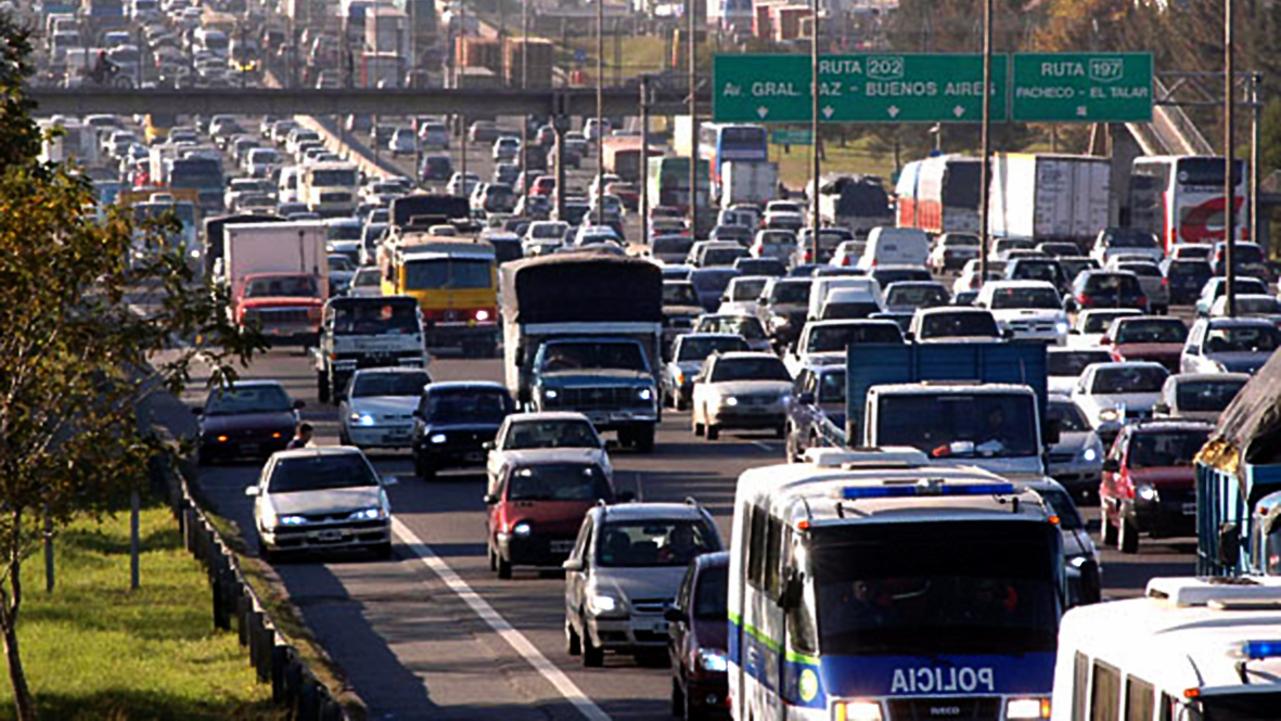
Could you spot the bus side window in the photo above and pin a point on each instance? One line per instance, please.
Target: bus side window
(802, 632)
(756, 547)
(1080, 686)
(773, 555)
(1105, 694)
(1140, 699)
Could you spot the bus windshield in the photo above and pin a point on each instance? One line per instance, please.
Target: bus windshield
(447, 273)
(1240, 707)
(960, 425)
(936, 587)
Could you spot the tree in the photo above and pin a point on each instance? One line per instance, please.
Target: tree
(75, 359)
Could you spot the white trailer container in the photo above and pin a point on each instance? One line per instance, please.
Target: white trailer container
(291, 247)
(748, 181)
(680, 136)
(1049, 197)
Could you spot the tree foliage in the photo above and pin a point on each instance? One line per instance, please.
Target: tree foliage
(91, 325)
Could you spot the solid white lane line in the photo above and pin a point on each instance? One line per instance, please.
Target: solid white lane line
(764, 446)
(514, 638)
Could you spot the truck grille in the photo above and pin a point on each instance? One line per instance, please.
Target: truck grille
(1030, 326)
(650, 605)
(270, 316)
(600, 398)
(335, 197)
(1061, 458)
(952, 708)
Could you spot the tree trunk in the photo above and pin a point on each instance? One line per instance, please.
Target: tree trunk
(10, 604)
(23, 702)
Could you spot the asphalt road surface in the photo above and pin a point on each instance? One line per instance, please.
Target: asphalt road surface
(433, 634)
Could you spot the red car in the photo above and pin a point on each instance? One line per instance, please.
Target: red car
(543, 185)
(536, 507)
(1158, 339)
(1149, 485)
(697, 639)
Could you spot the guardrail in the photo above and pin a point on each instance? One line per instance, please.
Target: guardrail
(294, 686)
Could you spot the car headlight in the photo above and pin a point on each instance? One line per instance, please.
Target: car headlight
(522, 529)
(730, 401)
(437, 438)
(1089, 454)
(368, 514)
(1061, 327)
(1110, 414)
(1146, 492)
(603, 603)
(290, 521)
(482, 315)
(550, 393)
(714, 661)
(645, 394)
(1027, 708)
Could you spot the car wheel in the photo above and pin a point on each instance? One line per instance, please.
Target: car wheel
(493, 562)
(573, 645)
(593, 656)
(504, 567)
(383, 551)
(322, 387)
(1129, 536)
(343, 438)
(266, 554)
(696, 427)
(644, 439)
(425, 470)
(780, 431)
(713, 431)
(1109, 530)
(680, 404)
(678, 700)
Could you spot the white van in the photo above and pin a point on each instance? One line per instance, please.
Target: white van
(288, 184)
(213, 41)
(823, 284)
(895, 246)
(1192, 649)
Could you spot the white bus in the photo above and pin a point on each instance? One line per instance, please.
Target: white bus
(1190, 650)
(1179, 198)
(869, 586)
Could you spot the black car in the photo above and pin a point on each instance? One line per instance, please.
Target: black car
(250, 418)
(452, 423)
(436, 167)
(772, 267)
(697, 639)
(1185, 277)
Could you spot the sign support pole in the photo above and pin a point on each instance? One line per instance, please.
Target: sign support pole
(985, 139)
(1229, 186)
(815, 221)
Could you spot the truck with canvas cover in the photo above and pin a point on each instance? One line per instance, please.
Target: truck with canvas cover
(582, 331)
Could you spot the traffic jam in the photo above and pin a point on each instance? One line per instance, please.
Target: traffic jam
(750, 462)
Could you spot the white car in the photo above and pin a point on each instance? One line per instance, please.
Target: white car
(434, 135)
(953, 250)
(1199, 396)
(1064, 366)
(740, 389)
(824, 342)
(1031, 309)
(561, 430)
(367, 282)
(1109, 394)
(1091, 325)
(377, 407)
(321, 498)
(506, 148)
(742, 294)
(456, 186)
(402, 142)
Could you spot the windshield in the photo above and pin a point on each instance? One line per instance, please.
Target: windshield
(916, 296)
(447, 273)
(1129, 379)
(939, 586)
(558, 482)
(712, 281)
(1112, 283)
(743, 325)
(1206, 395)
(1070, 418)
(723, 256)
(679, 294)
(281, 286)
(749, 369)
(389, 384)
(697, 349)
(1073, 363)
(657, 542)
(551, 434)
(577, 356)
(1037, 270)
(790, 292)
(328, 178)
(746, 289)
(1158, 449)
(960, 425)
(1063, 507)
(467, 406)
(1143, 270)
(248, 399)
(827, 339)
(1100, 321)
(1241, 339)
(367, 278)
(711, 593)
(1130, 239)
(343, 231)
(831, 387)
(1240, 707)
(1257, 306)
(321, 473)
(1025, 298)
(1151, 331)
(1243, 286)
(959, 325)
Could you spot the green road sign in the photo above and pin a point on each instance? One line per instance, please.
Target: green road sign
(1083, 87)
(791, 136)
(871, 88)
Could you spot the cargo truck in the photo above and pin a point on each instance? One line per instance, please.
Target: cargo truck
(940, 194)
(622, 156)
(277, 276)
(1049, 197)
(748, 181)
(855, 202)
(583, 332)
(369, 332)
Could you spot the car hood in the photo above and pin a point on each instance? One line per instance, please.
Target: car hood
(738, 307)
(1131, 401)
(384, 405)
(641, 583)
(595, 377)
(1061, 384)
(1073, 442)
(280, 420)
(1164, 475)
(688, 367)
(1240, 362)
(733, 388)
(555, 517)
(335, 500)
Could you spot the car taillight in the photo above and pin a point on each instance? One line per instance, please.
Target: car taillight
(1083, 300)
(1165, 281)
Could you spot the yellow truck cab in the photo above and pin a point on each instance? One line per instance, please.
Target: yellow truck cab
(455, 281)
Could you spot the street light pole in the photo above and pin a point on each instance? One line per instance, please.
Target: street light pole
(600, 110)
(1229, 186)
(815, 222)
(691, 26)
(644, 163)
(1255, 80)
(524, 85)
(985, 150)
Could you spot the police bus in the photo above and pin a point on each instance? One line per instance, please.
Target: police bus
(867, 585)
(1191, 649)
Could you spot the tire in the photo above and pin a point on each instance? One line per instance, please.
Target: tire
(573, 645)
(696, 427)
(713, 431)
(644, 439)
(781, 431)
(593, 656)
(322, 387)
(427, 472)
(493, 564)
(1108, 531)
(343, 438)
(678, 708)
(504, 567)
(383, 551)
(266, 554)
(1128, 537)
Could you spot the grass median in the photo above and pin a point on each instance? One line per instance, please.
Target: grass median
(95, 650)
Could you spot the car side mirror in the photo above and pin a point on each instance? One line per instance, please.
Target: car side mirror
(488, 445)
(805, 399)
(251, 491)
(1229, 545)
(489, 499)
(625, 497)
(672, 614)
(1052, 433)
(573, 565)
(299, 405)
(1111, 465)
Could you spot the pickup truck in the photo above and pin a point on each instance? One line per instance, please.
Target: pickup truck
(366, 332)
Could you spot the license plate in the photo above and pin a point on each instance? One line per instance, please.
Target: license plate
(249, 447)
(561, 546)
(473, 456)
(333, 535)
(1189, 509)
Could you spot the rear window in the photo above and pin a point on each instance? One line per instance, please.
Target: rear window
(1207, 395)
(1073, 363)
(558, 482)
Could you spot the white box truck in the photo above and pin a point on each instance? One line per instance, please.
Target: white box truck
(278, 276)
(1049, 197)
(748, 181)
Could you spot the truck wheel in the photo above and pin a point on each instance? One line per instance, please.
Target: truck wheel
(1109, 531)
(679, 403)
(322, 386)
(1129, 536)
(573, 646)
(695, 427)
(643, 438)
(593, 655)
(713, 431)
(423, 469)
(504, 567)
